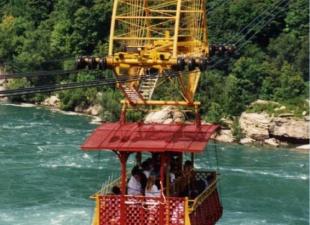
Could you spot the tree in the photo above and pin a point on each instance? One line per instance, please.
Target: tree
(291, 85)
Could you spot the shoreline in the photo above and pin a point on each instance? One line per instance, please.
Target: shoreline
(96, 120)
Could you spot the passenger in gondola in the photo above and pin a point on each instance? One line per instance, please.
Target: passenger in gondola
(138, 159)
(151, 189)
(134, 186)
(116, 190)
(193, 186)
(188, 171)
(189, 179)
(147, 167)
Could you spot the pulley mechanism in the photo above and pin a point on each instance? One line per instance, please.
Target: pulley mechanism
(91, 63)
(221, 49)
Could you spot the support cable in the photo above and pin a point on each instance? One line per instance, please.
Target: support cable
(74, 85)
(243, 41)
(37, 74)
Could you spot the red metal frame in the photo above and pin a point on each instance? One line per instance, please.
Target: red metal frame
(140, 210)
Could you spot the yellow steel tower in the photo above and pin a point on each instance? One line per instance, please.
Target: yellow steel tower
(155, 37)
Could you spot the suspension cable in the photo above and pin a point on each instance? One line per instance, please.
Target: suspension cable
(74, 85)
(212, 9)
(246, 40)
(37, 74)
(276, 6)
(15, 66)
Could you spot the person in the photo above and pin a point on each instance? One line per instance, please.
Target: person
(134, 185)
(115, 190)
(172, 174)
(151, 192)
(151, 189)
(188, 168)
(138, 159)
(147, 167)
(189, 178)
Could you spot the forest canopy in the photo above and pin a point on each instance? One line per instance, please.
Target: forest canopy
(271, 62)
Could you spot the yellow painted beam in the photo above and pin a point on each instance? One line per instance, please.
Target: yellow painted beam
(164, 103)
(112, 29)
(146, 17)
(141, 38)
(187, 219)
(176, 29)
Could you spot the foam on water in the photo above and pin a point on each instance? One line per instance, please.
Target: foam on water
(267, 173)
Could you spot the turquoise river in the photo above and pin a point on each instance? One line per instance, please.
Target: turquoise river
(45, 179)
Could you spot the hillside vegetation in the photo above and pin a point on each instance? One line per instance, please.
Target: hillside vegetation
(272, 65)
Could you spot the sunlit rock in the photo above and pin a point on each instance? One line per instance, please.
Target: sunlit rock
(255, 125)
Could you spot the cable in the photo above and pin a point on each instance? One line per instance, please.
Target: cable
(74, 85)
(37, 74)
(267, 23)
(277, 6)
(252, 36)
(212, 9)
(259, 16)
(44, 62)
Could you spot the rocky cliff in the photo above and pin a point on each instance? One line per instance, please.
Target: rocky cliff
(263, 128)
(257, 128)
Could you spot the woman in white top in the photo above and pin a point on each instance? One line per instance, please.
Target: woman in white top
(151, 190)
(134, 185)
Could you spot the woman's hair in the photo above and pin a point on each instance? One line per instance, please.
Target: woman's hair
(150, 182)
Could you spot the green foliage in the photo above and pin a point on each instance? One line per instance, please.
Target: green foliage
(110, 102)
(79, 97)
(291, 85)
(18, 83)
(236, 130)
(233, 101)
(272, 66)
(215, 113)
(210, 89)
(298, 108)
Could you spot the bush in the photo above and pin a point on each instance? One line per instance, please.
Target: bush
(236, 130)
(16, 84)
(215, 113)
(110, 102)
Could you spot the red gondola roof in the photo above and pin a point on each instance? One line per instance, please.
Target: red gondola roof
(139, 137)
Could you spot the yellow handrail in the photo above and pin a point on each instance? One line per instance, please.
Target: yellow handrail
(108, 187)
(203, 196)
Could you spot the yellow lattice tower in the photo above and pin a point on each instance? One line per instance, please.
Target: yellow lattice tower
(158, 36)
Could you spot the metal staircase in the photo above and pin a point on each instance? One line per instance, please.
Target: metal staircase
(131, 93)
(147, 87)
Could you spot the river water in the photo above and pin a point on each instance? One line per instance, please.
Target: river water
(45, 179)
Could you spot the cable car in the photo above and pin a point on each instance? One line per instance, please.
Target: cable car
(189, 199)
(149, 42)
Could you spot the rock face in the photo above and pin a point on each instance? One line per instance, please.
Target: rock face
(255, 125)
(269, 130)
(224, 136)
(167, 115)
(290, 128)
(94, 110)
(2, 87)
(273, 142)
(247, 141)
(304, 147)
(51, 101)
